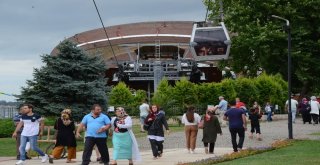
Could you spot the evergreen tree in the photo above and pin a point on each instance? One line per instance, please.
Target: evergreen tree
(70, 79)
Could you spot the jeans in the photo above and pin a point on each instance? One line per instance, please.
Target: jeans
(293, 113)
(269, 114)
(234, 132)
(33, 144)
(102, 147)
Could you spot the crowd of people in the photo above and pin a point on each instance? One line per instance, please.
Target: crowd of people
(98, 126)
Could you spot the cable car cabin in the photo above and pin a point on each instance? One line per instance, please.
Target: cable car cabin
(210, 43)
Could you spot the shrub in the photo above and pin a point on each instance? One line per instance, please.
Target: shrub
(6, 128)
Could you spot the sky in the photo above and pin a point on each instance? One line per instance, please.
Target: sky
(31, 28)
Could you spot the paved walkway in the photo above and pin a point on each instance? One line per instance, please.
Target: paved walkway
(174, 151)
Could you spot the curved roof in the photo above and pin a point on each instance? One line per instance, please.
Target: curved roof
(126, 37)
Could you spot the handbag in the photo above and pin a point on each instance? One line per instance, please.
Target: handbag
(146, 126)
(200, 125)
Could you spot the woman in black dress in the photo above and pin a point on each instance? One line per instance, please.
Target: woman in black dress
(65, 136)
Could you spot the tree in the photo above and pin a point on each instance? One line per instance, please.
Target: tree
(70, 79)
(259, 41)
(120, 95)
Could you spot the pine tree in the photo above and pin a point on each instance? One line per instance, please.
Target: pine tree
(70, 79)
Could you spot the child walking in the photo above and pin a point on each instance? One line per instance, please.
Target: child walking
(254, 117)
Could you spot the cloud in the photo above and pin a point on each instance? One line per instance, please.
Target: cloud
(30, 28)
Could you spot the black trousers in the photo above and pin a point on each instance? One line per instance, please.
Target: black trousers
(255, 127)
(102, 147)
(315, 118)
(157, 147)
(211, 146)
(234, 132)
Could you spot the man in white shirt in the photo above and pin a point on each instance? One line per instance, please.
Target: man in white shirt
(315, 106)
(30, 132)
(144, 111)
(294, 105)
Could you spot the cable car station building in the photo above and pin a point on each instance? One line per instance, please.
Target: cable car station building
(143, 53)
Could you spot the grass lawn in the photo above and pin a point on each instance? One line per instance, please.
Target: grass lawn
(300, 153)
(8, 145)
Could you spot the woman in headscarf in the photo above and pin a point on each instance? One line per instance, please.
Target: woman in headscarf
(124, 142)
(211, 127)
(304, 109)
(191, 120)
(156, 120)
(65, 136)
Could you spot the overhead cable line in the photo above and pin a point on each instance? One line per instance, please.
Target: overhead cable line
(105, 31)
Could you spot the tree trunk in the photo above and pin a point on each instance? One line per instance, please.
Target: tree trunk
(305, 89)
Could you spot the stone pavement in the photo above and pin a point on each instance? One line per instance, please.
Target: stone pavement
(170, 156)
(174, 145)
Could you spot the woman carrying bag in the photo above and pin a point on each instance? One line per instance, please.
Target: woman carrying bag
(156, 120)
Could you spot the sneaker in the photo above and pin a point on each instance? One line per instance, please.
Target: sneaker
(192, 152)
(20, 162)
(44, 158)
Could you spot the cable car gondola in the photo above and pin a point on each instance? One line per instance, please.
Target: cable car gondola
(210, 43)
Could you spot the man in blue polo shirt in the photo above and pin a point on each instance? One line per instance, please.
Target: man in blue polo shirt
(96, 125)
(237, 125)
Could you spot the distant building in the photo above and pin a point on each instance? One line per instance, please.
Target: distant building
(8, 111)
(143, 53)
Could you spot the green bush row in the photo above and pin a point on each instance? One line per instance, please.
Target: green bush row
(174, 99)
(6, 128)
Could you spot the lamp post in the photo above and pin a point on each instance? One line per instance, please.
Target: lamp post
(287, 28)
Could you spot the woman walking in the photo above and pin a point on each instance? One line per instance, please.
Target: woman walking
(156, 121)
(65, 136)
(254, 117)
(191, 120)
(211, 127)
(125, 145)
(304, 108)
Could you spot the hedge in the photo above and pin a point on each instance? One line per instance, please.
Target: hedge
(6, 128)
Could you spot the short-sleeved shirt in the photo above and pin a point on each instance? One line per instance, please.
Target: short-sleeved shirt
(294, 104)
(94, 124)
(235, 117)
(144, 109)
(223, 105)
(16, 119)
(196, 120)
(30, 124)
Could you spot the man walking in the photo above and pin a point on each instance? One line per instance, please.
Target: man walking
(294, 107)
(237, 125)
(30, 132)
(96, 125)
(222, 106)
(16, 120)
(144, 111)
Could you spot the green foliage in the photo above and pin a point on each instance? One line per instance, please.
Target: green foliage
(247, 90)
(162, 96)
(121, 95)
(261, 89)
(269, 90)
(70, 79)
(6, 128)
(228, 89)
(260, 40)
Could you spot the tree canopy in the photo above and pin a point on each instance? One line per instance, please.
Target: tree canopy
(258, 40)
(70, 79)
